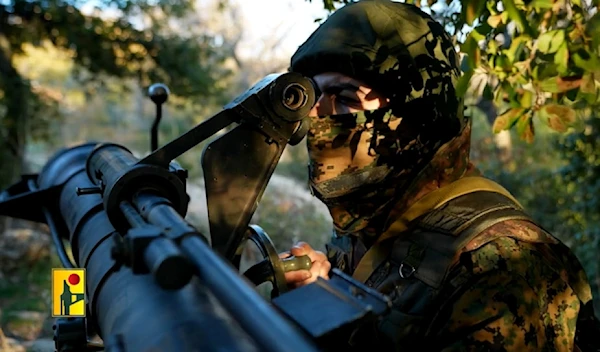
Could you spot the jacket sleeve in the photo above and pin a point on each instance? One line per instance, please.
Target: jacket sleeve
(512, 297)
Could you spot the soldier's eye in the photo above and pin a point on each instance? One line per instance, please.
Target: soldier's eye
(345, 99)
(343, 95)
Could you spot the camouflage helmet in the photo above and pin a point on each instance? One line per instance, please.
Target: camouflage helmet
(395, 48)
(404, 54)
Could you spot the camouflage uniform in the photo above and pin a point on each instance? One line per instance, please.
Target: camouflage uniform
(511, 286)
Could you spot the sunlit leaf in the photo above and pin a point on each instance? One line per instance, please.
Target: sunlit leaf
(551, 41)
(559, 85)
(526, 99)
(542, 4)
(471, 49)
(492, 47)
(473, 9)
(561, 58)
(491, 7)
(584, 60)
(587, 84)
(522, 66)
(494, 21)
(480, 32)
(592, 28)
(463, 83)
(558, 117)
(525, 128)
(507, 119)
(517, 16)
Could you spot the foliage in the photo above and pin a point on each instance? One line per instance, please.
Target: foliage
(182, 59)
(145, 41)
(536, 61)
(556, 180)
(539, 57)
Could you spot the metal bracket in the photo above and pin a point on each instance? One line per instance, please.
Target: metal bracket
(70, 335)
(353, 303)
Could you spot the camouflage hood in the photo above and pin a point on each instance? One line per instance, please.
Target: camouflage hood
(380, 161)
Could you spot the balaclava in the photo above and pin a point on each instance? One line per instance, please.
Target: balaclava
(382, 159)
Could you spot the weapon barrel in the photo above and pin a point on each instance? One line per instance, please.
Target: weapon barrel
(235, 295)
(132, 309)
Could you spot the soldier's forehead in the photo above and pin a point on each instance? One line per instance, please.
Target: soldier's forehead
(326, 79)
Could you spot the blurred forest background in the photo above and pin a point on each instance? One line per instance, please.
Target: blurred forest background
(73, 71)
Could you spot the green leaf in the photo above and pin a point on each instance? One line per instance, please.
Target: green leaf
(588, 85)
(550, 85)
(492, 47)
(463, 83)
(518, 16)
(561, 59)
(473, 10)
(471, 49)
(546, 70)
(584, 60)
(558, 117)
(520, 79)
(541, 4)
(469, 45)
(488, 92)
(525, 127)
(494, 21)
(551, 41)
(491, 7)
(526, 100)
(522, 66)
(516, 48)
(502, 63)
(535, 72)
(588, 98)
(507, 91)
(558, 84)
(506, 120)
(480, 32)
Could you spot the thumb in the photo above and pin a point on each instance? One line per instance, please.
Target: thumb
(302, 248)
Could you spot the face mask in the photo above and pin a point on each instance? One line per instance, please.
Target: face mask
(362, 164)
(357, 163)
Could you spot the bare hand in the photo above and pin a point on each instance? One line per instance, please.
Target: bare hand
(320, 266)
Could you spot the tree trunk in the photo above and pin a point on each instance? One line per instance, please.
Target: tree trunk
(12, 124)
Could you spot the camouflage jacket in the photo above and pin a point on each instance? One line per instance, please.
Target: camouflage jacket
(513, 287)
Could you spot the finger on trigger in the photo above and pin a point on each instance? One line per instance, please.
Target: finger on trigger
(297, 276)
(320, 256)
(315, 269)
(324, 270)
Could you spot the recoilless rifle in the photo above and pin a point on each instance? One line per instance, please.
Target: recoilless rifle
(153, 282)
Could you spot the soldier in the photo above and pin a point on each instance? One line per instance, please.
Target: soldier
(464, 266)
